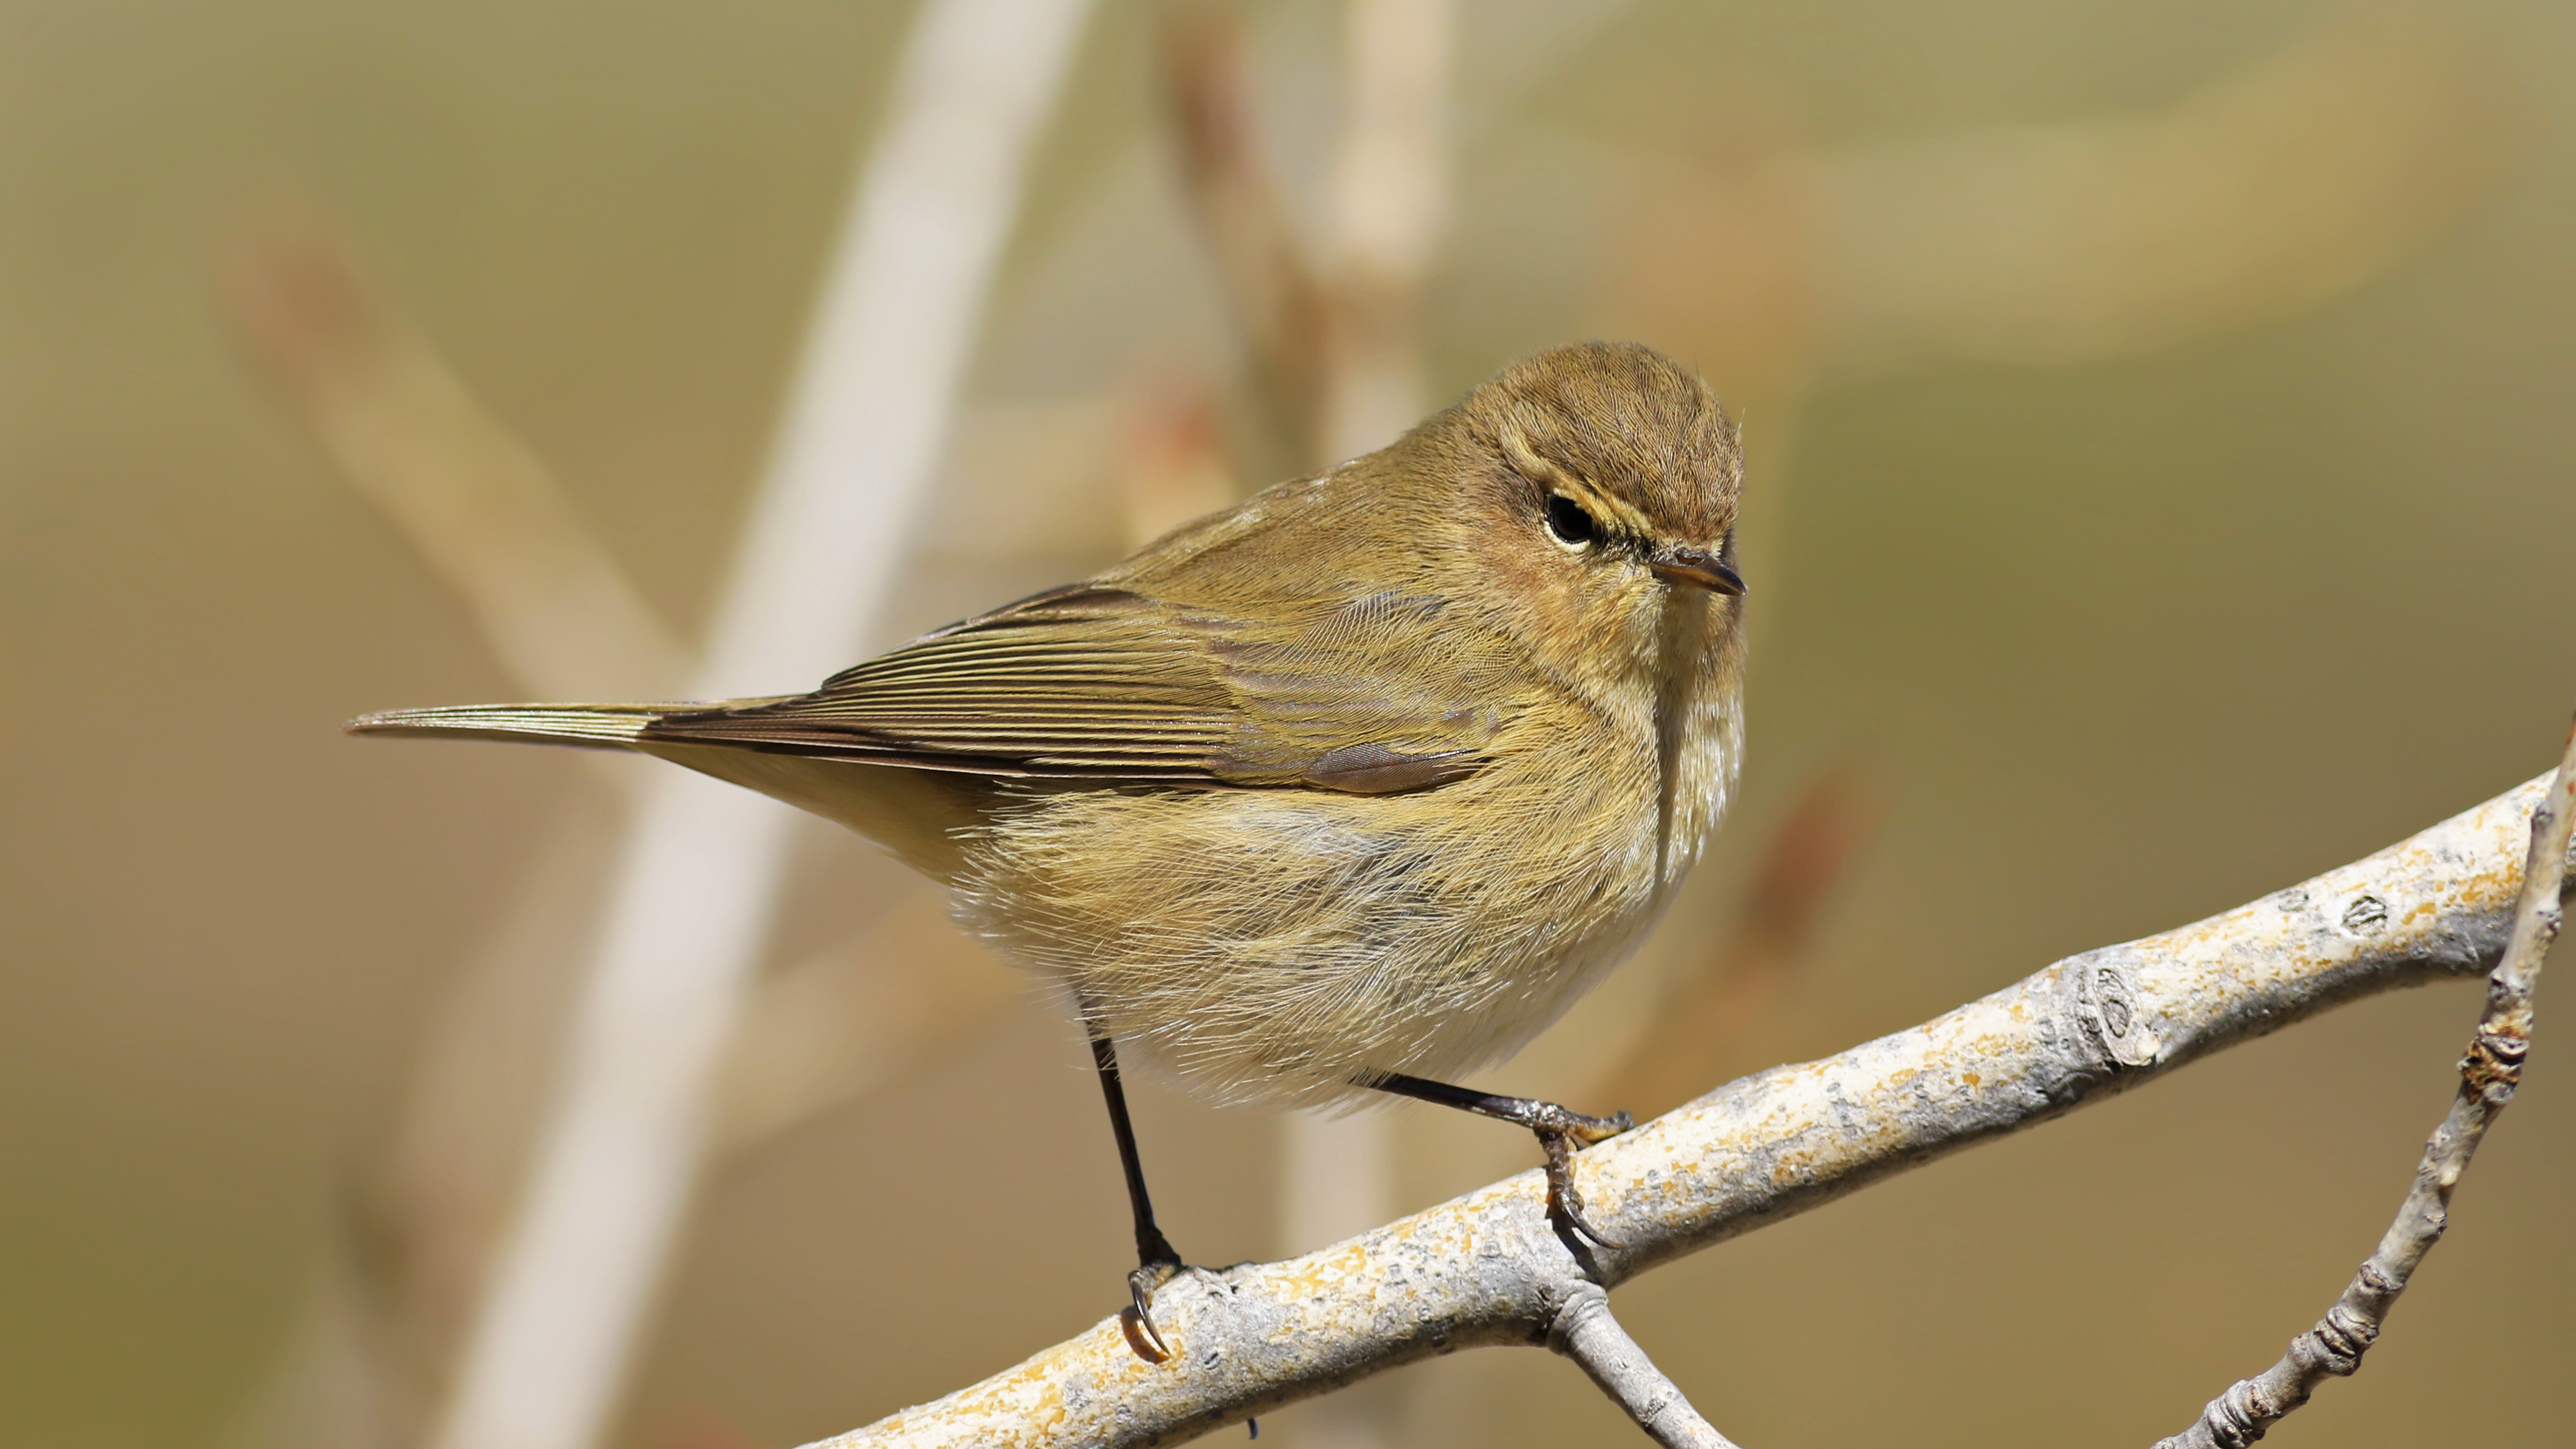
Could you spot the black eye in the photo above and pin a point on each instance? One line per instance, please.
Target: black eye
(1566, 519)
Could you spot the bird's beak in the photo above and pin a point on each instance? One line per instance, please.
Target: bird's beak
(1698, 567)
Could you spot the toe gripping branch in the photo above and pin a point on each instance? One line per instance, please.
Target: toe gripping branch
(1156, 1263)
(1559, 1135)
(1561, 1132)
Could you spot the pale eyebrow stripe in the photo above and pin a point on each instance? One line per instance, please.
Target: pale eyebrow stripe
(1612, 514)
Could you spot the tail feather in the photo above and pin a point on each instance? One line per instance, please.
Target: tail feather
(589, 726)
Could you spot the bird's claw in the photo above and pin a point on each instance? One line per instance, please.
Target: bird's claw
(1561, 1133)
(1144, 1337)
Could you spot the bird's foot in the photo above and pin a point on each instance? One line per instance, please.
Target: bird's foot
(1159, 1265)
(1561, 1132)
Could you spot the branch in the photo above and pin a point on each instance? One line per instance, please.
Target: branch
(1387, 213)
(1586, 1332)
(1273, 292)
(2488, 1075)
(396, 1284)
(1488, 1268)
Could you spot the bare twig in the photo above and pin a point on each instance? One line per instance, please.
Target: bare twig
(493, 523)
(2488, 1075)
(1781, 266)
(1489, 1268)
(1586, 1332)
(1334, 341)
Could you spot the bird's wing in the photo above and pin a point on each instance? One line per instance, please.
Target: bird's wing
(1106, 683)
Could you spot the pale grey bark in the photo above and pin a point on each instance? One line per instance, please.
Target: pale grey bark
(1490, 1268)
(2489, 1072)
(1586, 1332)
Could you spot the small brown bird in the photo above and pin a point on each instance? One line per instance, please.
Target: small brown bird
(1351, 787)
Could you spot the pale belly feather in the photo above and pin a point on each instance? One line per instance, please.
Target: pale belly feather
(1277, 945)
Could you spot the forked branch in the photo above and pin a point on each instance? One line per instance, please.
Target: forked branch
(2488, 1075)
(1488, 1268)
(1586, 1332)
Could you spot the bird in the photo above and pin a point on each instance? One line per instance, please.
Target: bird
(1343, 791)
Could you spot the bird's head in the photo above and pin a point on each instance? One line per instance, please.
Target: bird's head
(1591, 492)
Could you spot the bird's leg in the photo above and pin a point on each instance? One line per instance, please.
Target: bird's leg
(1560, 1131)
(1155, 1260)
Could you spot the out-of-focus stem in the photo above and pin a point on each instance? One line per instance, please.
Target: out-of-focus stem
(547, 596)
(483, 511)
(1388, 210)
(2266, 193)
(1387, 206)
(690, 903)
(1275, 297)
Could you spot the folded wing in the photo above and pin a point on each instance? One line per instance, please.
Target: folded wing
(1103, 683)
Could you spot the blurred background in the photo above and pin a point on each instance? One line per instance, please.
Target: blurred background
(2159, 441)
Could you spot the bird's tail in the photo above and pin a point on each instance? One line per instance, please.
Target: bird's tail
(589, 726)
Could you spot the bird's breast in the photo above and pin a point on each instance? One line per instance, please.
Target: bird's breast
(1281, 944)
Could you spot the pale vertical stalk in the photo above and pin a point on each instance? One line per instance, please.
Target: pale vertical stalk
(690, 902)
(1389, 204)
(492, 522)
(1389, 201)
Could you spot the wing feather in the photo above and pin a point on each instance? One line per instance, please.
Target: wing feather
(1106, 683)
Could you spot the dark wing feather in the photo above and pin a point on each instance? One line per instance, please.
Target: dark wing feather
(1104, 683)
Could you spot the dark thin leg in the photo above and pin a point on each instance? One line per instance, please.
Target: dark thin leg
(1559, 1130)
(1155, 1260)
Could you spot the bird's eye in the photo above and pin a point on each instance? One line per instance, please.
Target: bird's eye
(1567, 519)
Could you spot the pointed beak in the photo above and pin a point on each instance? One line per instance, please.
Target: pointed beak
(1697, 567)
